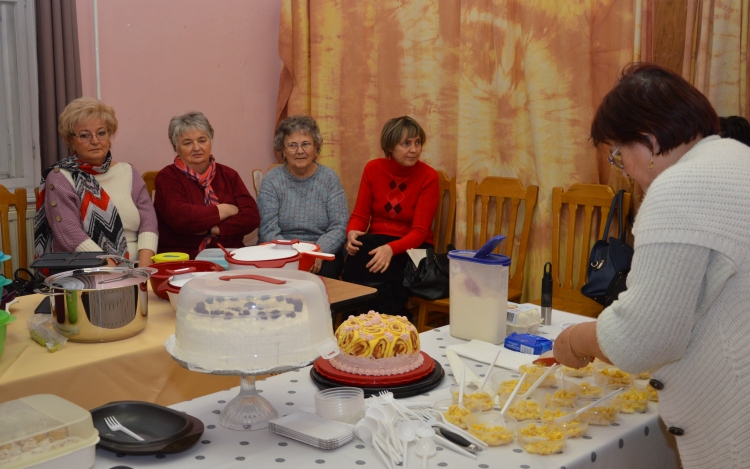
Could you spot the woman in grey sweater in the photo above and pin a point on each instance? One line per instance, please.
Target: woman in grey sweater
(303, 199)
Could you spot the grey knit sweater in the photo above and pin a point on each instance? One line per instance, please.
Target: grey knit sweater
(686, 314)
(310, 209)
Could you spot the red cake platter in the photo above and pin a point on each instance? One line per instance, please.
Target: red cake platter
(326, 370)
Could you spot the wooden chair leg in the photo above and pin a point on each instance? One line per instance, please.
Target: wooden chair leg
(422, 318)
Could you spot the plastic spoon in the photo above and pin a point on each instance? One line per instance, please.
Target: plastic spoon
(570, 417)
(540, 380)
(406, 433)
(424, 430)
(366, 434)
(489, 371)
(426, 448)
(461, 387)
(512, 396)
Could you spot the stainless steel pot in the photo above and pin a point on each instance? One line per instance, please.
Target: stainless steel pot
(100, 304)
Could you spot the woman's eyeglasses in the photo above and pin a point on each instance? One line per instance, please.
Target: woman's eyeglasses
(615, 158)
(86, 137)
(292, 147)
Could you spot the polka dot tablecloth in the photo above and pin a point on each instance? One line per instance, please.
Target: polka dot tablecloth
(635, 441)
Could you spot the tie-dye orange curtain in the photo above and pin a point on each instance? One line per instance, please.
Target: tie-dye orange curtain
(716, 53)
(503, 88)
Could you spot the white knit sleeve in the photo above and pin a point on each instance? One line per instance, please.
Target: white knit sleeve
(651, 323)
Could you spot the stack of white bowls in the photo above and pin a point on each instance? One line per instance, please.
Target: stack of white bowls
(340, 404)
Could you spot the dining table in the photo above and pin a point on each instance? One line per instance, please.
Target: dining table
(633, 441)
(136, 368)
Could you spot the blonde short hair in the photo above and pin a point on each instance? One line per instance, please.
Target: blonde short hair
(81, 110)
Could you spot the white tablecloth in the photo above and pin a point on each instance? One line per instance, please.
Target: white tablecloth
(635, 441)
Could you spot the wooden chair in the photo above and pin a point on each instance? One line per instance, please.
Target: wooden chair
(18, 200)
(508, 193)
(149, 177)
(580, 235)
(443, 227)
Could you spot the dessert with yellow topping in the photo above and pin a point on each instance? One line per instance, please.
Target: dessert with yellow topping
(589, 390)
(652, 393)
(376, 344)
(472, 395)
(565, 397)
(575, 428)
(506, 386)
(609, 375)
(633, 400)
(492, 428)
(604, 414)
(457, 415)
(534, 372)
(524, 410)
(542, 438)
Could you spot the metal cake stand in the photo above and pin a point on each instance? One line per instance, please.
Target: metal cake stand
(249, 410)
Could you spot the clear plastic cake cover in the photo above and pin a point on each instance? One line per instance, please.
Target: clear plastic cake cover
(252, 320)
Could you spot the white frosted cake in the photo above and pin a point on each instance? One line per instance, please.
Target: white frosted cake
(377, 345)
(252, 326)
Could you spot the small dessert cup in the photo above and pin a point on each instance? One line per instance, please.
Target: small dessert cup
(503, 382)
(562, 394)
(603, 414)
(473, 394)
(590, 390)
(492, 428)
(534, 372)
(633, 400)
(575, 428)
(522, 408)
(537, 437)
(456, 414)
(606, 375)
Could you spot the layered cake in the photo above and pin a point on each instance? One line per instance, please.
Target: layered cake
(251, 333)
(376, 344)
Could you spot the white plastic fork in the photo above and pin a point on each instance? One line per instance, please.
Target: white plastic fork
(116, 426)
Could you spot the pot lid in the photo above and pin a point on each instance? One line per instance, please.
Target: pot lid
(180, 280)
(98, 278)
(265, 252)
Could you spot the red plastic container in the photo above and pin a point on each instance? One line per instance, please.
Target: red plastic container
(168, 269)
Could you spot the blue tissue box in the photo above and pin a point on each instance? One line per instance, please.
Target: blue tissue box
(528, 343)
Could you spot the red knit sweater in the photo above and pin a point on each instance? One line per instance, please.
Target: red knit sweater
(182, 213)
(397, 201)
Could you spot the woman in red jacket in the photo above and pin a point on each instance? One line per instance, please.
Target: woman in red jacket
(396, 203)
(198, 201)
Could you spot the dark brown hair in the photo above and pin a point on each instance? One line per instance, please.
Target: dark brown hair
(649, 99)
(397, 129)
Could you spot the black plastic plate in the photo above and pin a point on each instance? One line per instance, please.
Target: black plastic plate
(154, 423)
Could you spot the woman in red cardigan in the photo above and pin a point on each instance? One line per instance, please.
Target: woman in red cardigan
(198, 201)
(396, 203)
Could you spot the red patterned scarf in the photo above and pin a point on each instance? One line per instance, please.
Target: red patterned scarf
(204, 181)
(99, 217)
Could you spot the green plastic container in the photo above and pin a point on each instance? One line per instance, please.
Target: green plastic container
(5, 319)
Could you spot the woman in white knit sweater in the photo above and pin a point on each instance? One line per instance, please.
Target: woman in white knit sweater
(685, 316)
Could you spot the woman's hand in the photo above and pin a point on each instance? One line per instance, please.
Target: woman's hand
(317, 264)
(567, 350)
(352, 245)
(144, 257)
(227, 210)
(381, 259)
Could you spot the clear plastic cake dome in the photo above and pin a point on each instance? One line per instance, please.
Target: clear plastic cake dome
(252, 321)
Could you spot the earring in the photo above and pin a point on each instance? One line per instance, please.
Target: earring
(651, 163)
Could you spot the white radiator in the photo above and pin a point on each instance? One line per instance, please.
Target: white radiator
(13, 218)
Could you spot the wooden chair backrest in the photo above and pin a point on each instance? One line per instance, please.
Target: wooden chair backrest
(149, 177)
(257, 180)
(18, 200)
(595, 201)
(508, 194)
(445, 217)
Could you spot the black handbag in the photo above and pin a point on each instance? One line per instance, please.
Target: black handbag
(609, 262)
(428, 280)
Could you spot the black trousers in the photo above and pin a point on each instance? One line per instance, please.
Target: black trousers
(332, 269)
(392, 296)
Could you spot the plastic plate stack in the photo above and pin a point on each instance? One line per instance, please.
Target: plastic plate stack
(312, 430)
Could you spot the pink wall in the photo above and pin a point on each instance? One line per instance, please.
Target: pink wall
(163, 58)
